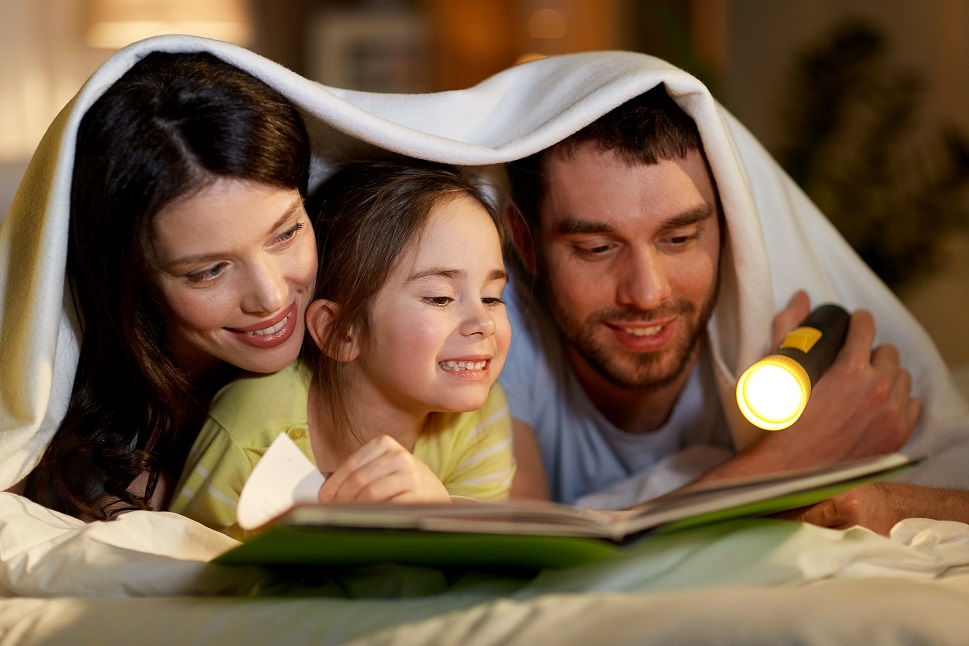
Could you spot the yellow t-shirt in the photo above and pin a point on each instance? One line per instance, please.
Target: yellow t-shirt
(470, 452)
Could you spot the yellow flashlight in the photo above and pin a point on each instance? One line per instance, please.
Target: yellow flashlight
(773, 392)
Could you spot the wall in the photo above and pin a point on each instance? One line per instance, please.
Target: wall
(43, 62)
(930, 37)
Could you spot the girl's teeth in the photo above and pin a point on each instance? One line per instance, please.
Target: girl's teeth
(271, 330)
(643, 331)
(463, 365)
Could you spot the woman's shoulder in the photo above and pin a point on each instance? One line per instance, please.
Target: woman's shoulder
(259, 399)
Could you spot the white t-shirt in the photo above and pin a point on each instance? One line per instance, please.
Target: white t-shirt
(583, 452)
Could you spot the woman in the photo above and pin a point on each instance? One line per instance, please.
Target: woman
(189, 255)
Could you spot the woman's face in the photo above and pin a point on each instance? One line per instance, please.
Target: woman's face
(235, 264)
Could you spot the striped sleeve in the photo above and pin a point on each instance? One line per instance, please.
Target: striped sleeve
(213, 477)
(483, 460)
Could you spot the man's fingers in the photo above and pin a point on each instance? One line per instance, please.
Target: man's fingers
(797, 310)
(860, 337)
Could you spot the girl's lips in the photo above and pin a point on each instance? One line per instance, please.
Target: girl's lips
(468, 368)
(270, 333)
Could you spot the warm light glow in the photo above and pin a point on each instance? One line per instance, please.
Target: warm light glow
(115, 23)
(547, 23)
(529, 57)
(773, 392)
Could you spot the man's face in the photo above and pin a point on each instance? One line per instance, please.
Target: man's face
(629, 255)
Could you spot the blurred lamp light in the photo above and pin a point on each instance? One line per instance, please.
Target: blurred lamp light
(112, 24)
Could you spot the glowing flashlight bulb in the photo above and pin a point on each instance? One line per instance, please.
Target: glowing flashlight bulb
(773, 392)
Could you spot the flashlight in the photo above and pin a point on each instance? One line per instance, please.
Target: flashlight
(773, 392)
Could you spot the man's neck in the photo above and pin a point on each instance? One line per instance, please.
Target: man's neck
(631, 410)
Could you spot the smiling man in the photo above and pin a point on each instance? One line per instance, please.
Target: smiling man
(621, 236)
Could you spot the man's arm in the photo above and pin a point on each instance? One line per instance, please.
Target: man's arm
(861, 407)
(529, 480)
(878, 506)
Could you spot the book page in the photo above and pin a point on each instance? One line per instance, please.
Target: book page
(283, 478)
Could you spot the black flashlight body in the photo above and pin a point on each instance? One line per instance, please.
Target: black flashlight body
(817, 355)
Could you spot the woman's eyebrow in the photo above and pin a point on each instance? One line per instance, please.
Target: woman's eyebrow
(296, 205)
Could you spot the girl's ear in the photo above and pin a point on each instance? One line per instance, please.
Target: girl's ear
(321, 316)
(521, 237)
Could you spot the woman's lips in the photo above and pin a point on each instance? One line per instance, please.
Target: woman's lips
(269, 333)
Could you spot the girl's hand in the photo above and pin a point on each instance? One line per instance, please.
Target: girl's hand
(382, 470)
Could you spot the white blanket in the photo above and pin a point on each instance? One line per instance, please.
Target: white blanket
(505, 117)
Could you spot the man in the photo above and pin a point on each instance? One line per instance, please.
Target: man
(622, 232)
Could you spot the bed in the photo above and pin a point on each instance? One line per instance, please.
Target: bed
(147, 578)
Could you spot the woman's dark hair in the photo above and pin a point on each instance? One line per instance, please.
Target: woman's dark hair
(169, 127)
(365, 214)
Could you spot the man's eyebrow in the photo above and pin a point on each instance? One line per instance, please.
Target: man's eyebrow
(578, 226)
(445, 272)
(687, 218)
(572, 226)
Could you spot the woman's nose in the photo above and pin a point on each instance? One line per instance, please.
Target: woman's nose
(267, 289)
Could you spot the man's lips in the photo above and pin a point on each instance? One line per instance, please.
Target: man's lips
(645, 336)
(271, 332)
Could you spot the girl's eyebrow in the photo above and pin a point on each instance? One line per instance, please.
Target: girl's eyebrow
(445, 272)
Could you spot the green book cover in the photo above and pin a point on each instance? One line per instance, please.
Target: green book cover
(530, 535)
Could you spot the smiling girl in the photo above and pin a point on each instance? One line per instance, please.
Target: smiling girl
(396, 397)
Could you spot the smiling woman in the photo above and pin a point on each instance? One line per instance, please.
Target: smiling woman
(189, 255)
(238, 279)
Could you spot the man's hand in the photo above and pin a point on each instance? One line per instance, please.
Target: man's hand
(878, 506)
(862, 406)
(381, 470)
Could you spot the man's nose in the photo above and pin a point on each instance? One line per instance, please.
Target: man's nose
(645, 281)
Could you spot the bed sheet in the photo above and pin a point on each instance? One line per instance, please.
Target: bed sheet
(749, 581)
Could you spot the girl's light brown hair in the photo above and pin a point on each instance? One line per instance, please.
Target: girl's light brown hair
(365, 215)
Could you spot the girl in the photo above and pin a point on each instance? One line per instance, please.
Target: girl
(396, 396)
(189, 254)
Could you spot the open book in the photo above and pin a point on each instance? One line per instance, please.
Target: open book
(291, 528)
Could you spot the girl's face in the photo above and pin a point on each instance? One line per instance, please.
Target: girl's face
(439, 332)
(235, 264)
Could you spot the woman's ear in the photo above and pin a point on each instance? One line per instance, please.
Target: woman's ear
(321, 316)
(521, 238)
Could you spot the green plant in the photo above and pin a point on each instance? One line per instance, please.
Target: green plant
(856, 143)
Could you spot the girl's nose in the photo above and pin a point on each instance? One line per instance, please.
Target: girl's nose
(479, 321)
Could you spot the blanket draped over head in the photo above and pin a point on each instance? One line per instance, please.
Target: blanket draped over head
(777, 240)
